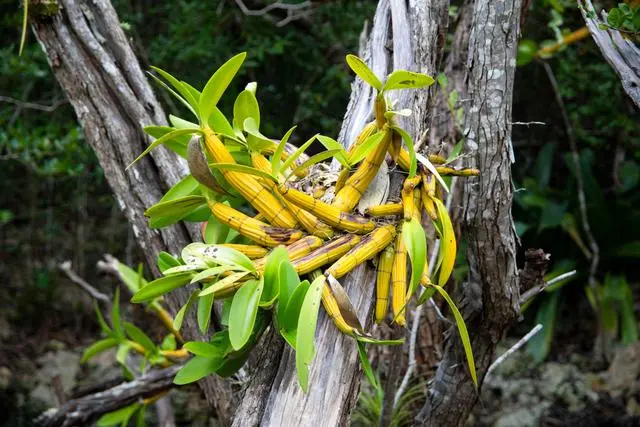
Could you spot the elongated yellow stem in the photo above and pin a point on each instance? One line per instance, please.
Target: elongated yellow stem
(369, 246)
(399, 281)
(383, 279)
(327, 213)
(325, 254)
(254, 193)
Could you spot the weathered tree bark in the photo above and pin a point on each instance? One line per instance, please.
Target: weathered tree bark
(621, 53)
(404, 35)
(84, 410)
(93, 62)
(487, 222)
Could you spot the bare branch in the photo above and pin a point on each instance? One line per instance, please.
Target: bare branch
(32, 105)
(88, 408)
(93, 292)
(526, 296)
(294, 11)
(513, 349)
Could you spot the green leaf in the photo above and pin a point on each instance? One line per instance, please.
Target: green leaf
(165, 262)
(232, 278)
(403, 79)
(332, 144)
(366, 365)
(205, 304)
(316, 158)
(184, 269)
(276, 159)
(212, 272)
(115, 315)
(246, 106)
(242, 169)
(177, 321)
(98, 347)
(103, 325)
(140, 421)
(215, 231)
(120, 416)
(272, 283)
(169, 342)
(217, 84)
(219, 123)
(243, 312)
(161, 286)
(411, 149)
(416, 243)
(166, 213)
(131, 278)
(364, 72)
(462, 330)
(292, 158)
(363, 149)
(121, 358)
(187, 186)
(288, 281)
(197, 368)
(137, 335)
(448, 245)
(370, 340)
(289, 322)
(305, 349)
(180, 123)
(163, 139)
(216, 254)
(184, 93)
(205, 349)
(177, 145)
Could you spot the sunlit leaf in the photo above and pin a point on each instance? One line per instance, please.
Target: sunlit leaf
(276, 159)
(138, 335)
(177, 321)
(177, 144)
(462, 330)
(161, 286)
(305, 349)
(204, 349)
(448, 246)
(363, 149)
(246, 106)
(165, 213)
(184, 95)
(242, 169)
(197, 368)
(292, 157)
(403, 79)
(316, 158)
(180, 123)
(415, 241)
(217, 84)
(224, 283)
(332, 144)
(427, 163)
(243, 312)
(408, 141)
(364, 72)
(118, 417)
(98, 347)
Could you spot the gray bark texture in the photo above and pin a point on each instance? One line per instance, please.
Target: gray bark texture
(87, 409)
(93, 62)
(489, 301)
(621, 53)
(95, 65)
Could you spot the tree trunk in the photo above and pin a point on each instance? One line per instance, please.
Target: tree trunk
(487, 222)
(93, 62)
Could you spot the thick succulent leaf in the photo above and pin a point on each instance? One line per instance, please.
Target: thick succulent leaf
(217, 84)
(305, 348)
(243, 313)
(364, 72)
(403, 79)
(160, 287)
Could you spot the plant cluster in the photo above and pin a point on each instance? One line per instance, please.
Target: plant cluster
(254, 264)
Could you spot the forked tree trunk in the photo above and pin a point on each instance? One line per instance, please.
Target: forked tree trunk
(94, 64)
